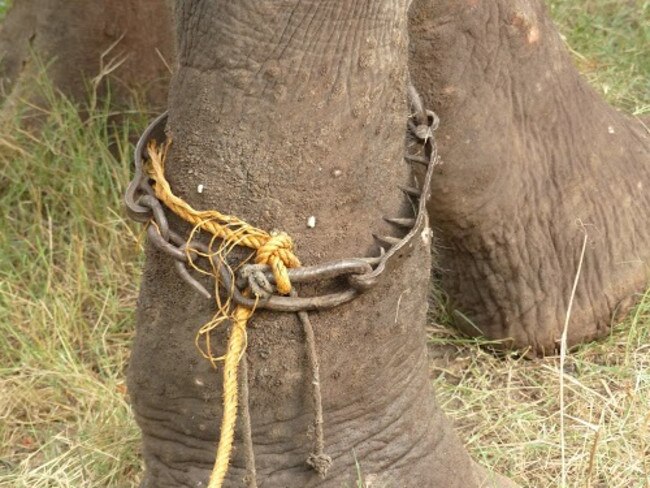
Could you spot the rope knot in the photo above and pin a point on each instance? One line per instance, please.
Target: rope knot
(321, 463)
(277, 252)
(273, 249)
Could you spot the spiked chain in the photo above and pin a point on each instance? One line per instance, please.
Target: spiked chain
(361, 273)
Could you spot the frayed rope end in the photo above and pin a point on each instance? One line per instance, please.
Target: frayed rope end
(320, 463)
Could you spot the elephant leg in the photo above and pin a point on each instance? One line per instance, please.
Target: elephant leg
(532, 161)
(284, 111)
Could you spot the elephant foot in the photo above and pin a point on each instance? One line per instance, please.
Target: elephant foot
(533, 163)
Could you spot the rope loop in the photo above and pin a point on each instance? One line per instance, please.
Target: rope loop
(277, 252)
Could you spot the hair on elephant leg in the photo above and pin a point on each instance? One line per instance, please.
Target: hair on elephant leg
(284, 111)
(532, 159)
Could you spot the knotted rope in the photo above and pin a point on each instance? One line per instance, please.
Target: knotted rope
(274, 250)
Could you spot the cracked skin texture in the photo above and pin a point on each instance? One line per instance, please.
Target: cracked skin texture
(269, 101)
(532, 159)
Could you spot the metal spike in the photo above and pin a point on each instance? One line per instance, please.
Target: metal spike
(400, 222)
(416, 159)
(410, 191)
(390, 240)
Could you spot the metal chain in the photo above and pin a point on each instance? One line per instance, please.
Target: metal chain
(361, 273)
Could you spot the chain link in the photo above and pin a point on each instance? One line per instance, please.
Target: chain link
(361, 273)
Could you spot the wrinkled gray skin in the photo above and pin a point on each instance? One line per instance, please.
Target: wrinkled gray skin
(533, 160)
(271, 98)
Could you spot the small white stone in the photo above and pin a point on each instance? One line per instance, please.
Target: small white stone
(336, 173)
(610, 129)
(311, 222)
(199, 188)
(199, 382)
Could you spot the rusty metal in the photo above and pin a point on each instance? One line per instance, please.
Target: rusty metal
(139, 185)
(404, 223)
(411, 191)
(360, 273)
(417, 159)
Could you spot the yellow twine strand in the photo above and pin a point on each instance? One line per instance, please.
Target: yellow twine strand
(275, 250)
(236, 348)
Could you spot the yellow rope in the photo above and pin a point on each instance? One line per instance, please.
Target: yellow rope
(236, 347)
(275, 250)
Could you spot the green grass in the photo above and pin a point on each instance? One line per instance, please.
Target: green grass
(4, 6)
(69, 273)
(610, 39)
